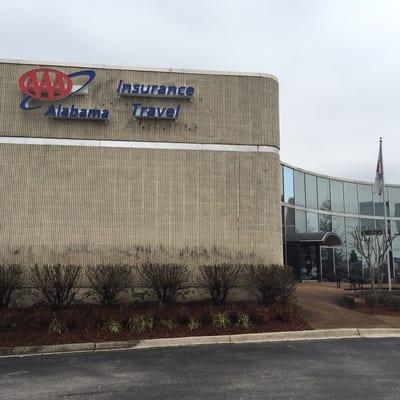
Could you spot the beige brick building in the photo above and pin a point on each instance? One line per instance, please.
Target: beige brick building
(205, 185)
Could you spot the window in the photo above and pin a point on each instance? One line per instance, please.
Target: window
(378, 204)
(367, 224)
(289, 220)
(365, 199)
(312, 222)
(325, 223)
(288, 192)
(354, 258)
(338, 226)
(300, 221)
(299, 188)
(311, 191)
(337, 199)
(350, 198)
(324, 198)
(394, 198)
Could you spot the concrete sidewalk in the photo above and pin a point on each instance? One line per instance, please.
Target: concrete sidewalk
(320, 306)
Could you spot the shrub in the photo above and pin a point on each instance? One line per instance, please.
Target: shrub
(113, 326)
(56, 283)
(141, 323)
(393, 302)
(273, 284)
(56, 326)
(282, 312)
(221, 320)
(219, 280)
(165, 280)
(244, 321)
(11, 279)
(169, 323)
(374, 299)
(194, 324)
(108, 281)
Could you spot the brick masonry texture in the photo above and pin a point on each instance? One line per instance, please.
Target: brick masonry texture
(87, 204)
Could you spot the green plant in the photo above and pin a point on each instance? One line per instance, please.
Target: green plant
(273, 284)
(113, 326)
(169, 323)
(140, 323)
(56, 283)
(219, 280)
(56, 326)
(221, 320)
(165, 280)
(108, 281)
(194, 324)
(244, 321)
(11, 279)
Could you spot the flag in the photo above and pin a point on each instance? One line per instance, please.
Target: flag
(379, 173)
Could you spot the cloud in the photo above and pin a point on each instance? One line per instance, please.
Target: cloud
(337, 61)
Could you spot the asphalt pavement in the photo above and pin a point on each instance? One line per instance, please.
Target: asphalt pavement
(340, 369)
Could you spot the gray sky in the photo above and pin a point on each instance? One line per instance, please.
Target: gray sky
(338, 61)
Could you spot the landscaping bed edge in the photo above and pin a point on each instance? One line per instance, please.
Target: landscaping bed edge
(322, 334)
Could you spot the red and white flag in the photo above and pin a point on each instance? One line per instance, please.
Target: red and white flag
(379, 173)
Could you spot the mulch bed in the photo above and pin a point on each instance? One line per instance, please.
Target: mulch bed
(86, 322)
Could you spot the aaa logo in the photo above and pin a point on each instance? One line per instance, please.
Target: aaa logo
(49, 84)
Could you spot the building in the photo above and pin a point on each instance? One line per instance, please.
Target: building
(114, 164)
(314, 205)
(102, 164)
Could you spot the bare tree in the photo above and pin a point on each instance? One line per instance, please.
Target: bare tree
(373, 245)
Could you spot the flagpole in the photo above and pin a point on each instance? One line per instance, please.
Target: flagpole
(386, 221)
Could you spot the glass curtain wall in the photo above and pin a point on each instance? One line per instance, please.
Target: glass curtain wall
(316, 203)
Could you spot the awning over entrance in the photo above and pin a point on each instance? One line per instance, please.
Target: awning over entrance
(321, 238)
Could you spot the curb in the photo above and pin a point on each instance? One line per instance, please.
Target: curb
(322, 334)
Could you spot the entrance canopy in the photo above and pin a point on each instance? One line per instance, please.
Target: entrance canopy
(321, 238)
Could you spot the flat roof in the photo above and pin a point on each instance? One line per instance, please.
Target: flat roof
(144, 69)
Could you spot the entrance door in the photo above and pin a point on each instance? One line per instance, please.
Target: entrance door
(327, 262)
(309, 262)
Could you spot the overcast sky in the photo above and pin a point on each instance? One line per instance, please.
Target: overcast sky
(337, 61)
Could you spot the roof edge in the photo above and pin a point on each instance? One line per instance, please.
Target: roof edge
(335, 178)
(144, 69)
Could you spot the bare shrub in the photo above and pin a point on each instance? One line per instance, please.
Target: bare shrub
(57, 284)
(219, 280)
(11, 279)
(165, 280)
(108, 281)
(273, 284)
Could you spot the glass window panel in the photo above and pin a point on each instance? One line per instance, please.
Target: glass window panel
(380, 225)
(324, 198)
(378, 204)
(341, 259)
(325, 223)
(338, 227)
(282, 195)
(312, 222)
(367, 224)
(288, 185)
(394, 198)
(299, 188)
(396, 262)
(354, 258)
(350, 198)
(311, 191)
(365, 200)
(300, 221)
(337, 200)
(289, 220)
